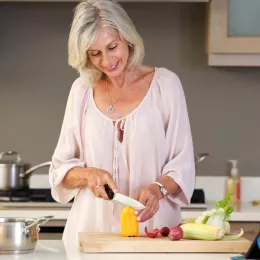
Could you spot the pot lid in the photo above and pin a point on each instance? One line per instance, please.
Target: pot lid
(11, 157)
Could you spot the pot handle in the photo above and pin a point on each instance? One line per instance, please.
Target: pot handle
(28, 172)
(18, 157)
(38, 221)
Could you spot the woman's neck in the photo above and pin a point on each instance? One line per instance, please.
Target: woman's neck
(119, 81)
(126, 78)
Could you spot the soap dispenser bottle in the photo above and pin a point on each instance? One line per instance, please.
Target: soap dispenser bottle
(233, 182)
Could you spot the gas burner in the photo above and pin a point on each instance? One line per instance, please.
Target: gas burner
(4, 198)
(19, 199)
(15, 195)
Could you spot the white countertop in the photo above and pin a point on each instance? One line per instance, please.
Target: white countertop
(61, 211)
(55, 250)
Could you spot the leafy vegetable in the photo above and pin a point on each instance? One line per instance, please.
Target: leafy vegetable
(203, 218)
(218, 216)
(232, 236)
(227, 227)
(224, 204)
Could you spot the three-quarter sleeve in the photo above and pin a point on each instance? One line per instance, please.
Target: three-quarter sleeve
(68, 152)
(180, 165)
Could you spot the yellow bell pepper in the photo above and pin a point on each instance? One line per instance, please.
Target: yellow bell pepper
(129, 223)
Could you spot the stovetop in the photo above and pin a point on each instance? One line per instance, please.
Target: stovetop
(27, 195)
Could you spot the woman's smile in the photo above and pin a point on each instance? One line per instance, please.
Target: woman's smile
(112, 67)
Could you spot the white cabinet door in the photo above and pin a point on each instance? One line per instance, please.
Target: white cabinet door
(234, 32)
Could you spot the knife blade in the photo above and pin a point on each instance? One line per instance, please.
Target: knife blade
(122, 199)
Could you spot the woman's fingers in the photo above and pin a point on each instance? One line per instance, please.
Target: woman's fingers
(143, 197)
(93, 187)
(151, 208)
(102, 193)
(111, 184)
(151, 203)
(97, 182)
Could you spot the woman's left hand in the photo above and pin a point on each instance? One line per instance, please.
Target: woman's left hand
(150, 197)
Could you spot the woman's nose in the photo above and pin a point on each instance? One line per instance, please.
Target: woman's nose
(105, 60)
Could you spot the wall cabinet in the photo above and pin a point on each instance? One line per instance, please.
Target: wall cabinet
(233, 33)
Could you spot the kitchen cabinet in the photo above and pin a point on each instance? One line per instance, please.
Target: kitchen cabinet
(50, 236)
(251, 229)
(233, 33)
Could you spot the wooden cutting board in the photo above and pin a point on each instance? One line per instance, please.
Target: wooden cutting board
(113, 242)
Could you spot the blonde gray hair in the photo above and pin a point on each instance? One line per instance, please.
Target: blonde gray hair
(88, 17)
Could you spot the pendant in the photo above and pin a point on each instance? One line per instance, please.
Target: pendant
(110, 109)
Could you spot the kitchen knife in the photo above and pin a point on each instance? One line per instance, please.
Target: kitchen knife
(122, 199)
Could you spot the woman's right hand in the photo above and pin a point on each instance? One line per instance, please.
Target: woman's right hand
(96, 179)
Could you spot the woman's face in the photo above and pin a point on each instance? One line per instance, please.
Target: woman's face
(109, 53)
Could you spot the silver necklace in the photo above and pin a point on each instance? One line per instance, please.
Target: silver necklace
(110, 108)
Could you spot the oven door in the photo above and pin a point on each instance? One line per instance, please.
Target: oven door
(52, 230)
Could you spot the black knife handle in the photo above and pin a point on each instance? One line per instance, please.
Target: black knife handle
(109, 192)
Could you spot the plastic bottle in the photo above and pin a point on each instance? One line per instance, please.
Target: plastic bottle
(233, 183)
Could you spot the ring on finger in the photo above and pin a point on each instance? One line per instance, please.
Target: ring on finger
(98, 186)
(97, 194)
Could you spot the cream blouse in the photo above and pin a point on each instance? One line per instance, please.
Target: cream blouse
(157, 141)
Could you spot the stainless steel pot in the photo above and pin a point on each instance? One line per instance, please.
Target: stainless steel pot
(14, 173)
(20, 235)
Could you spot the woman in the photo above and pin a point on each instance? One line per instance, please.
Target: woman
(125, 125)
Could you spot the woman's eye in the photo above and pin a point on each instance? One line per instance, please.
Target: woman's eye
(95, 54)
(112, 48)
